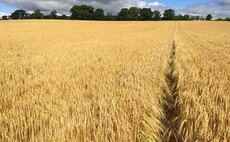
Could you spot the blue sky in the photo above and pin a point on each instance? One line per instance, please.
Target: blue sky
(219, 8)
(181, 3)
(6, 8)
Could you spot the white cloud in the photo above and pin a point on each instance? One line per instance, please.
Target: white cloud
(218, 8)
(3, 14)
(156, 3)
(141, 3)
(65, 5)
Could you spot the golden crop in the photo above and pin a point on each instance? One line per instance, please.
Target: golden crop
(203, 66)
(114, 81)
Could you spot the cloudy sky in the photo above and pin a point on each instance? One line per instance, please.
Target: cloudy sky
(218, 8)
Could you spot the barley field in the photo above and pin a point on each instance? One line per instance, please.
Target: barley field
(87, 81)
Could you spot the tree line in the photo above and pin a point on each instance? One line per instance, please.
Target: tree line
(86, 12)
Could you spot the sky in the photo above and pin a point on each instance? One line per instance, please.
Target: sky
(218, 8)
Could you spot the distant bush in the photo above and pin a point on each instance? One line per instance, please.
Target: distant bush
(5, 17)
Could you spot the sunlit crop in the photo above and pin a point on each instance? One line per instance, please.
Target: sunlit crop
(85, 81)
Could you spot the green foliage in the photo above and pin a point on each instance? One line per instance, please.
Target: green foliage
(186, 17)
(123, 14)
(64, 17)
(4, 17)
(134, 13)
(86, 12)
(156, 15)
(179, 17)
(146, 14)
(209, 17)
(36, 15)
(195, 18)
(53, 14)
(110, 16)
(169, 14)
(99, 14)
(19, 14)
(82, 12)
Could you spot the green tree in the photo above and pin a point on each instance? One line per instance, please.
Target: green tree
(202, 18)
(169, 14)
(187, 17)
(83, 12)
(37, 15)
(64, 17)
(53, 14)
(209, 17)
(156, 15)
(18, 14)
(219, 19)
(99, 14)
(134, 13)
(123, 14)
(197, 17)
(193, 18)
(110, 16)
(179, 17)
(75, 12)
(227, 19)
(4, 17)
(146, 14)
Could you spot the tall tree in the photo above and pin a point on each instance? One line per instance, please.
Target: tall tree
(53, 14)
(146, 14)
(156, 15)
(83, 12)
(169, 14)
(99, 14)
(18, 14)
(134, 13)
(75, 12)
(209, 17)
(37, 15)
(123, 14)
